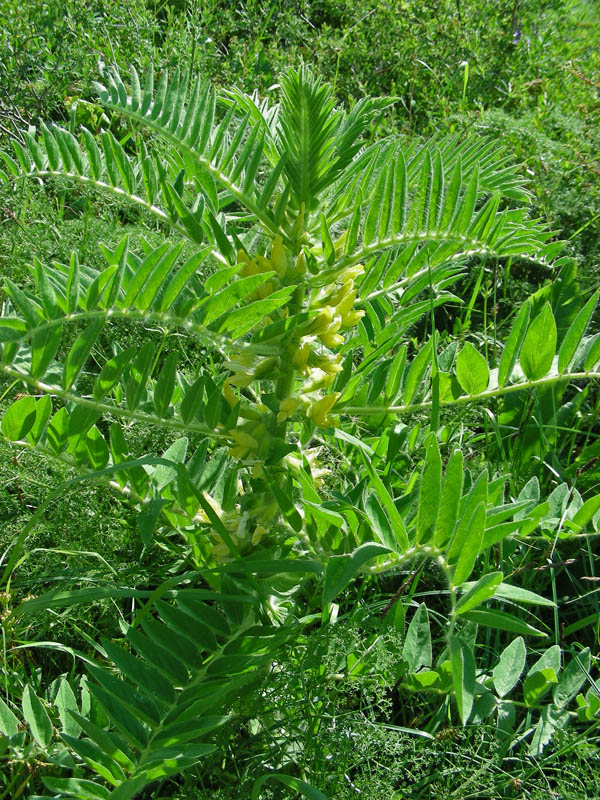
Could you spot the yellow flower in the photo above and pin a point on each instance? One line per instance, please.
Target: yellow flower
(318, 410)
(287, 408)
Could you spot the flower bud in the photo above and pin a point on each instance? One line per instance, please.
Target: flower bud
(300, 356)
(321, 323)
(331, 340)
(352, 318)
(278, 256)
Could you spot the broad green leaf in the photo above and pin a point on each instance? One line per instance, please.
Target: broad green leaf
(572, 678)
(575, 334)
(341, 569)
(19, 419)
(549, 658)
(77, 787)
(380, 524)
(592, 357)
(97, 449)
(537, 684)
(111, 372)
(417, 643)
(429, 490)
(128, 724)
(550, 719)
(156, 277)
(463, 676)
(80, 352)
(43, 409)
(106, 741)
(468, 505)
(139, 373)
(36, 717)
(509, 668)
(57, 433)
(507, 591)
(471, 546)
(44, 346)
(587, 512)
(163, 474)
(12, 329)
(66, 703)
(178, 282)
(450, 500)
(513, 344)
(539, 345)
(479, 592)
(472, 370)
(9, 724)
(492, 618)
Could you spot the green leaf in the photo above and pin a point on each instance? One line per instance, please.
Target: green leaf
(572, 678)
(417, 643)
(43, 409)
(44, 346)
(77, 787)
(537, 684)
(587, 512)
(492, 618)
(388, 504)
(286, 504)
(341, 569)
(550, 719)
(111, 372)
(509, 668)
(472, 370)
(416, 372)
(165, 385)
(36, 717)
(539, 345)
(513, 344)
(575, 334)
(592, 357)
(471, 546)
(19, 419)
(57, 433)
(507, 591)
(429, 490)
(9, 724)
(296, 784)
(380, 524)
(66, 703)
(549, 658)
(140, 673)
(463, 676)
(479, 592)
(80, 352)
(450, 500)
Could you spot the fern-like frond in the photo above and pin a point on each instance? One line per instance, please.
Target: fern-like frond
(166, 691)
(530, 360)
(227, 154)
(430, 220)
(318, 143)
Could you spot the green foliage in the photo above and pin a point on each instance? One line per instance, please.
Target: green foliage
(296, 260)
